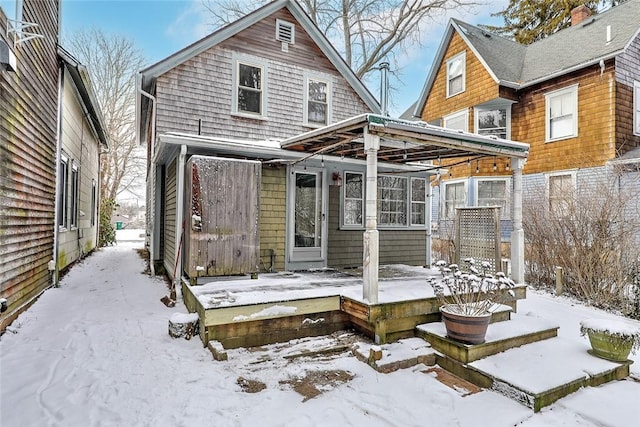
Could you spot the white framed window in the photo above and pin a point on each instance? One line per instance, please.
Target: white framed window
(94, 201)
(63, 170)
(494, 192)
(561, 114)
(418, 201)
(493, 121)
(249, 94)
(317, 102)
(561, 190)
(456, 74)
(636, 108)
(392, 200)
(74, 195)
(454, 195)
(353, 192)
(457, 121)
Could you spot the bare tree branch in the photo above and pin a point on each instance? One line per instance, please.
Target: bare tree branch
(112, 62)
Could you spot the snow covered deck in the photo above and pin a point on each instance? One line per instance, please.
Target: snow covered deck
(280, 306)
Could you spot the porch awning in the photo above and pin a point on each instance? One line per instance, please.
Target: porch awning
(401, 141)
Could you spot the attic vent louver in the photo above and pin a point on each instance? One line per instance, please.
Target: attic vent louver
(286, 33)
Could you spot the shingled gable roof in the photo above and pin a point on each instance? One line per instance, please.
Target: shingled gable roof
(518, 66)
(149, 74)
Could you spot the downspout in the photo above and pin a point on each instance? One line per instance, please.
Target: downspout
(428, 219)
(53, 264)
(384, 88)
(180, 211)
(151, 169)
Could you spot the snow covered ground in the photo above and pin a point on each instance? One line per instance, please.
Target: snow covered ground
(96, 352)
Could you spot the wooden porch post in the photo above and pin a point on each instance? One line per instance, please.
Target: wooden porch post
(370, 239)
(517, 235)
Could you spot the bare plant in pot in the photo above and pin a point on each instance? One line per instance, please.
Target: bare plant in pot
(611, 339)
(468, 297)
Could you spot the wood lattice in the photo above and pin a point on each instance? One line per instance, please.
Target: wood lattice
(478, 235)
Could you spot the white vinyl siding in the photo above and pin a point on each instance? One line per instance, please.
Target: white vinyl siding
(561, 114)
(456, 74)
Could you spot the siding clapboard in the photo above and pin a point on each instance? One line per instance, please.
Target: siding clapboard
(28, 122)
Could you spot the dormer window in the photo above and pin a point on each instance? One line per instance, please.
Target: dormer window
(455, 74)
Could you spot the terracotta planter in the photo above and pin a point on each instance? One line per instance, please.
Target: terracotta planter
(464, 328)
(609, 346)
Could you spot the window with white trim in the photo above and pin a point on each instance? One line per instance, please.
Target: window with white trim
(74, 195)
(353, 199)
(561, 114)
(457, 121)
(418, 201)
(561, 189)
(494, 192)
(94, 201)
(636, 108)
(456, 74)
(249, 93)
(317, 102)
(494, 121)
(454, 196)
(392, 200)
(63, 170)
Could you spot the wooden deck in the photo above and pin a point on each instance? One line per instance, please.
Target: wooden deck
(243, 314)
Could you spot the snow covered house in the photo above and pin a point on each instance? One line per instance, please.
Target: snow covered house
(266, 153)
(573, 96)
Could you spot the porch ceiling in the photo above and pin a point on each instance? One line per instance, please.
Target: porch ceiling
(401, 141)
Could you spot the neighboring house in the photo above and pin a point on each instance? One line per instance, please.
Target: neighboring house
(28, 132)
(573, 96)
(51, 137)
(82, 140)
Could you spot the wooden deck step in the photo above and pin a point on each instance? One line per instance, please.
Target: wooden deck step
(546, 371)
(500, 336)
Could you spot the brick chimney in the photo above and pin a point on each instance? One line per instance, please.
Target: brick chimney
(579, 14)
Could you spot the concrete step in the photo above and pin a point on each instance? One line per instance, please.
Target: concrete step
(500, 336)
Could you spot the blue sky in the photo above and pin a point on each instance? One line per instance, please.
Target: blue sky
(162, 27)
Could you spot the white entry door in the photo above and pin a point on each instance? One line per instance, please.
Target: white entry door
(307, 221)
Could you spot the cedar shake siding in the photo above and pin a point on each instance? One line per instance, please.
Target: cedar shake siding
(272, 224)
(28, 129)
(202, 87)
(479, 85)
(594, 144)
